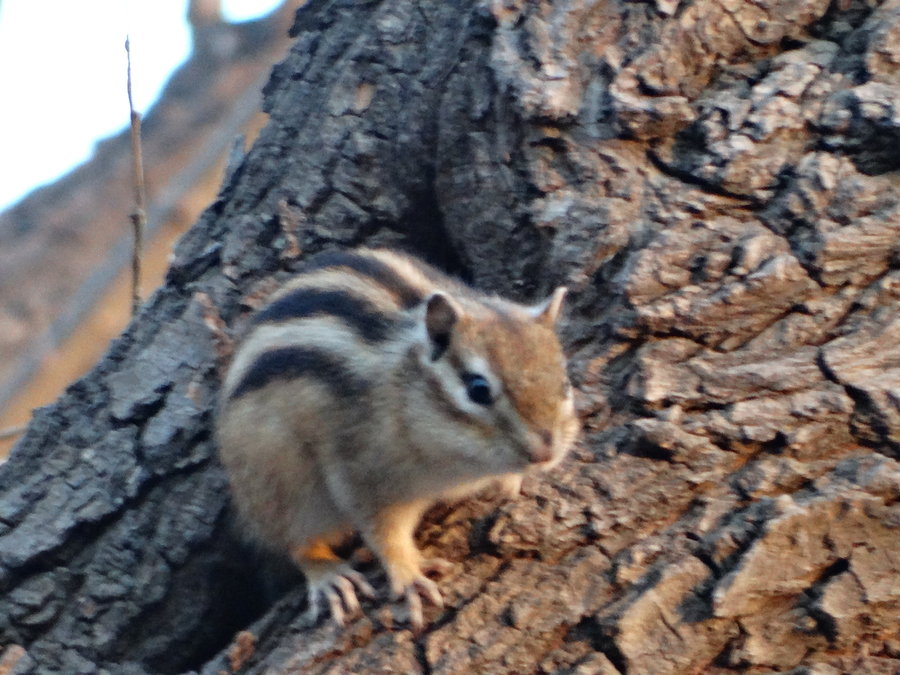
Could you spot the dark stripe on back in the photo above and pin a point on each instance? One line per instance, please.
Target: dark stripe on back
(288, 363)
(380, 272)
(359, 314)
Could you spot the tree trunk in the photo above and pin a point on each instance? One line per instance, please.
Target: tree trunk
(717, 184)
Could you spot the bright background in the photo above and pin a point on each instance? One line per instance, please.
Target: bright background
(63, 76)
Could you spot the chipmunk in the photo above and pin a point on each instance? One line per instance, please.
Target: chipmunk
(368, 388)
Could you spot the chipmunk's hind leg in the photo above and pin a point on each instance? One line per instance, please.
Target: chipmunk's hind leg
(331, 578)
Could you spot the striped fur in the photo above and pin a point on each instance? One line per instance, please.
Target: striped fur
(350, 405)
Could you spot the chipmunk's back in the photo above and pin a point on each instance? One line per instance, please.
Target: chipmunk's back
(343, 307)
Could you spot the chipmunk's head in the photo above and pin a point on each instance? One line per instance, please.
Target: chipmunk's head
(495, 377)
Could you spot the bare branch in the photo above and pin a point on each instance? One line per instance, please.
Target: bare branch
(139, 215)
(12, 432)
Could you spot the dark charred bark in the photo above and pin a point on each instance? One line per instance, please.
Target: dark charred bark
(717, 184)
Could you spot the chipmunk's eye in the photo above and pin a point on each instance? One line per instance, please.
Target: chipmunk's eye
(478, 388)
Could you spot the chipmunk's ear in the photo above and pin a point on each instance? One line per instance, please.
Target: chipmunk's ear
(547, 312)
(441, 315)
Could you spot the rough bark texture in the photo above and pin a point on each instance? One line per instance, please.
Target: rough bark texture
(716, 182)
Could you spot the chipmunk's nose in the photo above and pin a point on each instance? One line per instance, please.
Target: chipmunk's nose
(540, 446)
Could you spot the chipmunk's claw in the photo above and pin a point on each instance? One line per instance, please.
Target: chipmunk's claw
(338, 585)
(413, 585)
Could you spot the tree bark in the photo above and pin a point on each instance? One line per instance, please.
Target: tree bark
(717, 184)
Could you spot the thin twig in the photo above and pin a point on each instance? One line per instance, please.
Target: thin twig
(139, 215)
(12, 432)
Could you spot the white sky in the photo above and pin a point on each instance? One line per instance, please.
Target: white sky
(63, 76)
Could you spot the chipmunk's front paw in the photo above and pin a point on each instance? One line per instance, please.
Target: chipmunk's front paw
(337, 583)
(410, 583)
